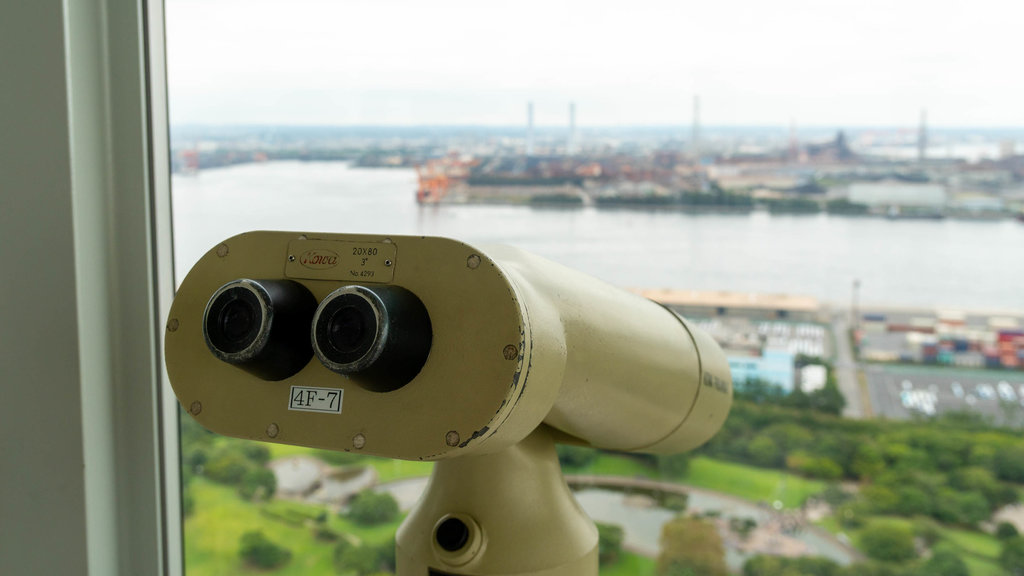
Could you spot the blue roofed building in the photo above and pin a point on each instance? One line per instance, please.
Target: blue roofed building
(774, 366)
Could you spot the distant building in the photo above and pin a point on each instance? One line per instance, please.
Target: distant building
(895, 194)
(748, 305)
(773, 366)
(813, 377)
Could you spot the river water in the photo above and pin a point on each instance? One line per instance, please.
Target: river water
(977, 265)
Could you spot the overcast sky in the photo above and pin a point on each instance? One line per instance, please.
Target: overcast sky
(415, 62)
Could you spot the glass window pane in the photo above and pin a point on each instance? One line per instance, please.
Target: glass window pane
(834, 192)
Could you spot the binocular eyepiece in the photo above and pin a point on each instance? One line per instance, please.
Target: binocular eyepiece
(378, 336)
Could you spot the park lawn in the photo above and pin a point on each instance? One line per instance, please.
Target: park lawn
(978, 550)
(389, 470)
(749, 482)
(978, 567)
(630, 564)
(977, 543)
(220, 517)
(609, 464)
(754, 484)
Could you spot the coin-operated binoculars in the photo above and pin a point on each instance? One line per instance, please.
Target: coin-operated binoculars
(418, 348)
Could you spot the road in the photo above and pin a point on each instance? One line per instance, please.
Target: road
(846, 368)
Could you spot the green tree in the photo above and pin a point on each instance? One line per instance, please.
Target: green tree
(258, 484)
(691, 547)
(363, 560)
(257, 452)
(867, 461)
(1005, 530)
(888, 541)
(828, 400)
(1009, 464)
(1012, 556)
(370, 507)
(227, 467)
(763, 451)
(763, 565)
(945, 561)
(257, 551)
(813, 466)
(609, 542)
(575, 456)
(674, 466)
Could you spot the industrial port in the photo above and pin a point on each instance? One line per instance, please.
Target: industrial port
(906, 363)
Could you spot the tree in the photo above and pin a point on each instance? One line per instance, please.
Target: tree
(674, 466)
(370, 507)
(742, 527)
(363, 560)
(575, 456)
(1009, 464)
(763, 451)
(828, 400)
(256, 550)
(888, 541)
(609, 542)
(762, 565)
(258, 484)
(945, 561)
(1012, 556)
(257, 452)
(227, 467)
(1005, 530)
(691, 547)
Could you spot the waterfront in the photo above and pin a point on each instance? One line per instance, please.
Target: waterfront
(946, 263)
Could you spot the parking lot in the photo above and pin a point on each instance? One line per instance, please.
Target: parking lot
(903, 392)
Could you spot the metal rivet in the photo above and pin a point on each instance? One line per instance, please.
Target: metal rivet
(510, 352)
(195, 408)
(172, 325)
(358, 441)
(302, 237)
(222, 250)
(388, 262)
(386, 240)
(452, 438)
(473, 262)
(273, 430)
(291, 258)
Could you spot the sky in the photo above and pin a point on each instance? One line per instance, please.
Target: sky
(626, 63)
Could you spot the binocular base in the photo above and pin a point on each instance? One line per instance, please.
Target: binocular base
(509, 513)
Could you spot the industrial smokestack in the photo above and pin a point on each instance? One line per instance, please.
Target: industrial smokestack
(529, 129)
(695, 136)
(922, 136)
(570, 146)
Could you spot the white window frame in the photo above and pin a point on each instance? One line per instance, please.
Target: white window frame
(89, 456)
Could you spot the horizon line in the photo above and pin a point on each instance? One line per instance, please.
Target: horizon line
(785, 127)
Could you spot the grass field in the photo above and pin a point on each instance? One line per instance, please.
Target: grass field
(978, 550)
(220, 517)
(749, 482)
(755, 484)
(630, 565)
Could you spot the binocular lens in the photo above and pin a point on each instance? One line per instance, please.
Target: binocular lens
(239, 319)
(261, 326)
(380, 336)
(351, 328)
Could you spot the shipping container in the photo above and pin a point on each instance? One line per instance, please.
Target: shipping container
(1009, 335)
(1003, 323)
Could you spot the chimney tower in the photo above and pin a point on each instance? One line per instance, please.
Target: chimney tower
(529, 129)
(570, 146)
